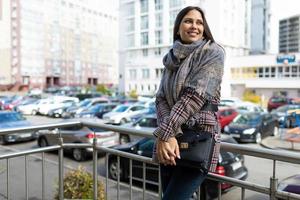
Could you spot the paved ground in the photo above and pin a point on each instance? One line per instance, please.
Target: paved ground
(278, 142)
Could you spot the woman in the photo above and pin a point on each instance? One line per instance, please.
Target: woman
(191, 81)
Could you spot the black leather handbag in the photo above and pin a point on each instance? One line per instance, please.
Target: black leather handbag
(196, 149)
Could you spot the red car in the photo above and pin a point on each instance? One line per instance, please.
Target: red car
(226, 115)
(275, 102)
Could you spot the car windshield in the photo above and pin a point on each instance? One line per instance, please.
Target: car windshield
(247, 119)
(120, 108)
(84, 102)
(278, 100)
(97, 129)
(95, 108)
(11, 117)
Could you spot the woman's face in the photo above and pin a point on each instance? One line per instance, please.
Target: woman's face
(191, 27)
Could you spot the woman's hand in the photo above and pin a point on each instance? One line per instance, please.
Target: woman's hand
(167, 151)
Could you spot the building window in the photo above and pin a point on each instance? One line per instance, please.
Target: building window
(129, 9)
(144, 38)
(158, 72)
(25, 80)
(158, 37)
(267, 72)
(176, 3)
(130, 40)
(145, 52)
(146, 73)
(157, 51)
(287, 71)
(149, 88)
(158, 4)
(144, 6)
(144, 22)
(273, 69)
(132, 74)
(142, 87)
(158, 20)
(280, 72)
(294, 71)
(130, 24)
(261, 72)
(173, 15)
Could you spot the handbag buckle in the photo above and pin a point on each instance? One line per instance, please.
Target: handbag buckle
(184, 145)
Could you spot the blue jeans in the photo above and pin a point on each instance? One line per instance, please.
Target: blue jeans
(180, 182)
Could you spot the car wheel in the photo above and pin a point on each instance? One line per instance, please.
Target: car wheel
(258, 138)
(42, 142)
(124, 139)
(123, 121)
(113, 170)
(79, 154)
(275, 131)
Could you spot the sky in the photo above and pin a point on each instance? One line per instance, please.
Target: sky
(285, 8)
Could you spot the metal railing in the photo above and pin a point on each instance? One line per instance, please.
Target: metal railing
(274, 155)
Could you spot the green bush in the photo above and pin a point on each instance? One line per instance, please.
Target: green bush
(78, 184)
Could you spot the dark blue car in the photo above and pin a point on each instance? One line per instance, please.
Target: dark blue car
(14, 120)
(252, 127)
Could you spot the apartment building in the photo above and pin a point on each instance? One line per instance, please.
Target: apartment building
(58, 43)
(146, 33)
(289, 35)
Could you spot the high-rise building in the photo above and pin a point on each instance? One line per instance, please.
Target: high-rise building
(146, 34)
(260, 26)
(58, 42)
(289, 35)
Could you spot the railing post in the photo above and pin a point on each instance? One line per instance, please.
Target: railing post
(95, 173)
(61, 167)
(273, 183)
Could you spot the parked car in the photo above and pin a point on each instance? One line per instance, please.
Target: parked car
(290, 184)
(57, 112)
(122, 113)
(230, 164)
(14, 120)
(32, 108)
(57, 102)
(147, 122)
(252, 127)
(97, 110)
(247, 106)
(78, 134)
(82, 105)
(226, 115)
(230, 101)
(281, 112)
(275, 102)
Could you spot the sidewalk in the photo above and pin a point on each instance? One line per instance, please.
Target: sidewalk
(276, 142)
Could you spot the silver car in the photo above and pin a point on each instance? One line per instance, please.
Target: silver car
(78, 134)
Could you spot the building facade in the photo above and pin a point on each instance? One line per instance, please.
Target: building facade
(260, 26)
(58, 43)
(289, 35)
(266, 75)
(146, 35)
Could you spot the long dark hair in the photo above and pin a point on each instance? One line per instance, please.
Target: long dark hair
(207, 34)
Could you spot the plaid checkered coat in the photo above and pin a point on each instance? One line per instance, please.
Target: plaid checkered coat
(192, 76)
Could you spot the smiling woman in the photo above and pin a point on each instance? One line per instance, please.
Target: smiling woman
(186, 101)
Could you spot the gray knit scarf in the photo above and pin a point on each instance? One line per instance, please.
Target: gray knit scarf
(198, 66)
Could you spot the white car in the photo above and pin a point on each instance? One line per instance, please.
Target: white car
(247, 106)
(57, 103)
(123, 113)
(33, 108)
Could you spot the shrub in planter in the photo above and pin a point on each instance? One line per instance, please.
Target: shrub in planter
(78, 184)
